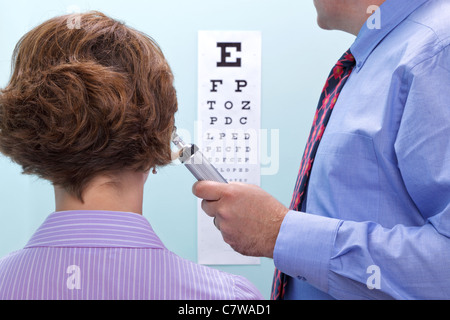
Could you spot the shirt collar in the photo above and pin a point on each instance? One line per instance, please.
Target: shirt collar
(393, 12)
(95, 229)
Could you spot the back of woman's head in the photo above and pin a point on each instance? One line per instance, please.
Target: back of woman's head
(87, 98)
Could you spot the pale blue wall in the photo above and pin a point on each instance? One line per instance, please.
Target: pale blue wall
(297, 57)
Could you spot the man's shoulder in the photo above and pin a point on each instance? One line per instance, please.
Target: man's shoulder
(423, 37)
(434, 16)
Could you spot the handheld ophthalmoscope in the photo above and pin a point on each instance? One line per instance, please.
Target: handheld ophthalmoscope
(191, 156)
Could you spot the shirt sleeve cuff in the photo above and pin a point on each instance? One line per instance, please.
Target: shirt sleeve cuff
(304, 246)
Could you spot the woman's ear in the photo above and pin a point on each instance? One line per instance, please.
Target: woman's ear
(146, 176)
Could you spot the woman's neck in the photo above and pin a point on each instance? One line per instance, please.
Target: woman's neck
(110, 192)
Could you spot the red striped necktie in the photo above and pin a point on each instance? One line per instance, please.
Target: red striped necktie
(328, 98)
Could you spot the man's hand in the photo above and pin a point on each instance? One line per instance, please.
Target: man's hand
(248, 217)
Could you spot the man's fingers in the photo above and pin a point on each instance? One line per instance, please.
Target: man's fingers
(208, 207)
(208, 190)
(216, 224)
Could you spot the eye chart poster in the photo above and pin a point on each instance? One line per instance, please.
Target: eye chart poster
(229, 111)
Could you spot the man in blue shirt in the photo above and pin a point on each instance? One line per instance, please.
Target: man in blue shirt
(376, 220)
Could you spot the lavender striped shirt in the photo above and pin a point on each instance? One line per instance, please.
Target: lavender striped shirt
(96, 255)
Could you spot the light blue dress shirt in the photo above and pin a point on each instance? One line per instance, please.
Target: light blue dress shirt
(376, 220)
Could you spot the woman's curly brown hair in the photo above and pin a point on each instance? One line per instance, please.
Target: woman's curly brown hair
(85, 99)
